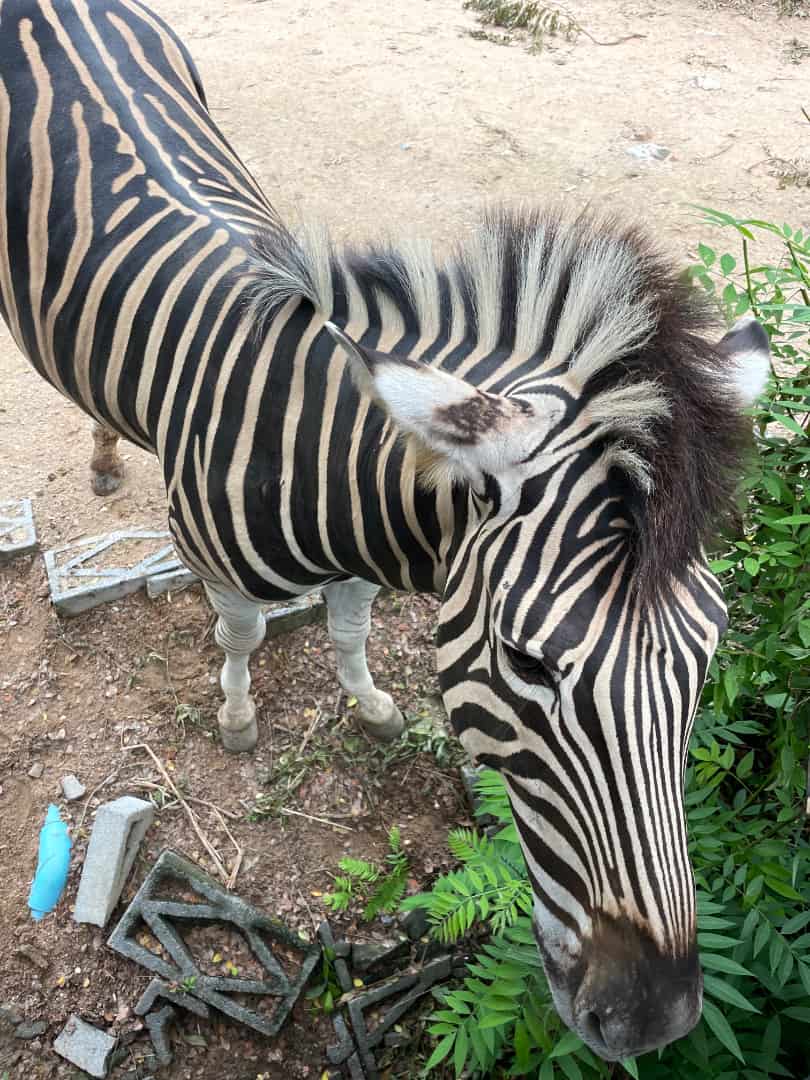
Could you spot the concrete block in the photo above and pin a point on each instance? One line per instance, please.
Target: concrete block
(18, 534)
(283, 617)
(158, 1025)
(117, 833)
(157, 988)
(285, 975)
(105, 568)
(85, 1046)
(169, 581)
(72, 788)
(338, 957)
(411, 987)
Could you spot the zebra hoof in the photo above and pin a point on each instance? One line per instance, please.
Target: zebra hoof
(105, 483)
(237, 740)
(379, 717)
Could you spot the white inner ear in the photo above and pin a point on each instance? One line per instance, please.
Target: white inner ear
(746, 345)
(411, 395)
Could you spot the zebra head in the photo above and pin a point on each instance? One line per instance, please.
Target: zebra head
(579, 615)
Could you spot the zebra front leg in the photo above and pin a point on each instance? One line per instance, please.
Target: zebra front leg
(106, 464)
(240, 630)
(349, 604)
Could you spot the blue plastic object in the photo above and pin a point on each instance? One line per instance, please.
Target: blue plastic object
(52, 868)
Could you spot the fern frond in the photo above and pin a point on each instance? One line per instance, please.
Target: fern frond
(359, 869)
(386, 896)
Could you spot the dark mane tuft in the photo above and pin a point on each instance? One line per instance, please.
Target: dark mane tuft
(590, 296)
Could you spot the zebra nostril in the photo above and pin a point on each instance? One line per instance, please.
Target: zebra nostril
(592, 1028)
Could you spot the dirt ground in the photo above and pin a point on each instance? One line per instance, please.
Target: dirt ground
(374, 117)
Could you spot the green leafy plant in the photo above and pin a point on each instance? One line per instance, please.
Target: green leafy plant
(326, 991)
(746, 778)
(379, 889)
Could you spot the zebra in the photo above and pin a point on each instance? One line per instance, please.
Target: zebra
(535, 426)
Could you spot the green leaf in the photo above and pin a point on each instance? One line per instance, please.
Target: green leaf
(721, 990)
(460, 1050)
(717, 941)
(794, 519)
(761, 938)
(731, 684)
(781, 888)
(728, 263)
(798, 922)
(722, 1029)
(722, 963)
(443, 1048)
(630, 1066)
(707, 254)
(567, 1045)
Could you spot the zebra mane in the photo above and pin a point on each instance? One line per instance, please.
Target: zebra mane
(591, 297)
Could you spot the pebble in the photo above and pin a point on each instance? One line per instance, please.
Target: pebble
(10, 1014)
(36, 770)
(72, 788)
(648, 151)
(706, 82)
(30, 1030)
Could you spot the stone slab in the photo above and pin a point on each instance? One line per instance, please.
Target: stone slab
(78, 581)
(85, 1046)
(118, 830)
(283, 617)
(18, 533)
(213, 904)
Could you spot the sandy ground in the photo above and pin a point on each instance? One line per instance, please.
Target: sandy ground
(377, 118)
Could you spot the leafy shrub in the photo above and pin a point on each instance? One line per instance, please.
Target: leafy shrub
(379, 889)
(746, 782)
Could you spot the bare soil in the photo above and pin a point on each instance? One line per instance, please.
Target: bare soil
(377, 118)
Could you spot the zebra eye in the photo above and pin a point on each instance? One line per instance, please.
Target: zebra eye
(529, 668)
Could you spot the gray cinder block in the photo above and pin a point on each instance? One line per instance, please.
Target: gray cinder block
(117, 833)
(18, 534)
(285, 617)
(275, 992)
(85, 1046)
(170, 580)
(78, 582)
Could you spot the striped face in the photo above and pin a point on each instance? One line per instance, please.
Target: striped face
(582, 696)
(575, 684)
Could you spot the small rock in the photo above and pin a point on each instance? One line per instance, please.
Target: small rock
(36, 770)
(57, 736)
(72, 788)
(405, 146)
(648, 151)
(30, 1030)
(10, 1014)
(706, 82)
(415, 923)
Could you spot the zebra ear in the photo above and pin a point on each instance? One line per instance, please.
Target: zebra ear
(467, 430)
(747, 347)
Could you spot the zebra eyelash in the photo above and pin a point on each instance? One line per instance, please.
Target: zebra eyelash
(530, 670)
